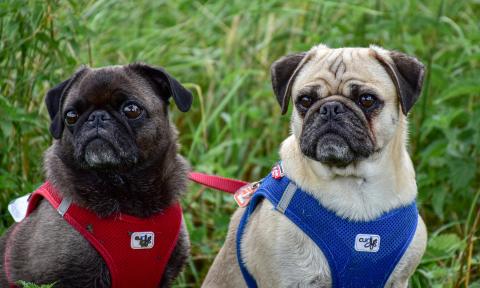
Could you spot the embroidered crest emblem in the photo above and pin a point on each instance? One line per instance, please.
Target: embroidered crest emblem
(142, 240)
(277, 171)
(367, 243)
(244, 194)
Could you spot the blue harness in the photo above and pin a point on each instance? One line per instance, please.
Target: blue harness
(359, 254)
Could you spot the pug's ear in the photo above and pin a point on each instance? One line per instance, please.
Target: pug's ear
(165, 85)
(54, 100)
(283, 73)
(407, 74)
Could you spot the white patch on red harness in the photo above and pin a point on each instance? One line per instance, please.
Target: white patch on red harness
(142, 240)
(18, 207)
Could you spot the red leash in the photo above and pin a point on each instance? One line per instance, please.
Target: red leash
(217, 182)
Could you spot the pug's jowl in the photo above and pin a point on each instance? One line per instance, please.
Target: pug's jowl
(114, 154)
(347, 151)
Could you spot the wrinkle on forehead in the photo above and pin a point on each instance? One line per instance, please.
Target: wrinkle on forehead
(99, 85)
(335, 68)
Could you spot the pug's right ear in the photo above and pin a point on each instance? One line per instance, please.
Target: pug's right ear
(53, 103)
(283, 73)
(54, 100)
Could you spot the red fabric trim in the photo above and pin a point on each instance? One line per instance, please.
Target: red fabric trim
(217, 182)
(7, 255)
(111, 237)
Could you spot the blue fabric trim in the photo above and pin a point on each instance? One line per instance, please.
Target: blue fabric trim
(249, 280)
(335, 236)
(257, 197)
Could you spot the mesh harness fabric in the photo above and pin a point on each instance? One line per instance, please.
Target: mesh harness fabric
(112, 237)
(338, 238)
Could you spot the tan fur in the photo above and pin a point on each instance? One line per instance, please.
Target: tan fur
(277, 253)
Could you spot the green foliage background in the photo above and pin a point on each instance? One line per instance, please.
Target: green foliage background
(222, 51)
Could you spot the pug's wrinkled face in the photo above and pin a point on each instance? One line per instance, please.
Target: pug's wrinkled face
(115, 117)
(347, 102)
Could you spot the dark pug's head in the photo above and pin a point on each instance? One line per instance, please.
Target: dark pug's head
(348, 102)
(114, 118)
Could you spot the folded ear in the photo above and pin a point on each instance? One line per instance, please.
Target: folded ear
(165, 85)
(54, 100)
(407, 74)
(283, 73)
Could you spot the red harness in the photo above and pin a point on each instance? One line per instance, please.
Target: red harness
(136, 250)
(114, 237)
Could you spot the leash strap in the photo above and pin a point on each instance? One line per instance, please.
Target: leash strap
(217, 182)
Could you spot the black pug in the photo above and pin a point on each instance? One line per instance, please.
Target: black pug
(114, 153)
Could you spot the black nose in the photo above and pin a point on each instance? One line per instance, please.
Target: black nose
(99, 116)
(331, 109)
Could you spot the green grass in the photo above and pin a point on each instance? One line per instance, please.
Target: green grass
(222, 51)
(31, 285)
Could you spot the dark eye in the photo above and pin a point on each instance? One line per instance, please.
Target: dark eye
(132, 110)
(305, 101)
(367, 100)
(71, 117)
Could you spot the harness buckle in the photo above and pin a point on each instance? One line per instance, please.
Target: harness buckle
(245, 193)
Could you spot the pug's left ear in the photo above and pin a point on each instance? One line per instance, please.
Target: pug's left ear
(166, 85)
(407, 74)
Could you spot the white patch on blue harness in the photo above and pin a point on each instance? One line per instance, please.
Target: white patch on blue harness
(367, 243)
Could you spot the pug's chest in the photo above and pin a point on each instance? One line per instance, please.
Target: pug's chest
(52, 240)
(280, 254)
(287, 255)
(306, 265)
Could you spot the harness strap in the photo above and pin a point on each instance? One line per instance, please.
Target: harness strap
(64, 205)
(249, 280)
(287, 190)
(286, 198)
